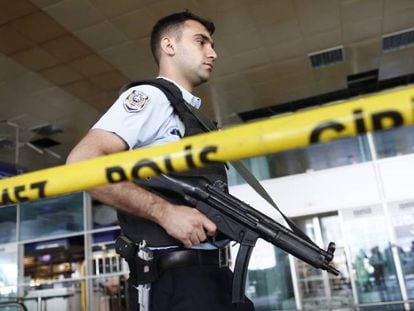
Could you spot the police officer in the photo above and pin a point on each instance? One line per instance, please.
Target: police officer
(183, 49)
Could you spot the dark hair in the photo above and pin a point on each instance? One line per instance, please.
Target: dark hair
(174, 21)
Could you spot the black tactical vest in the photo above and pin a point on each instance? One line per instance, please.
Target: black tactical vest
(137, 228)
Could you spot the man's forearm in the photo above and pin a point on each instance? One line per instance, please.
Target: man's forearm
(132, 199)
(183, 223)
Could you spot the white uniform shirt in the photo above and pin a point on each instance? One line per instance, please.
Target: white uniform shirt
(148, 119)
(143, 116)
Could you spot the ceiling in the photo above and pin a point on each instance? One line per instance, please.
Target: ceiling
(62, 62)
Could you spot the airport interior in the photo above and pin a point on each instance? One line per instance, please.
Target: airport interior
(62, 64)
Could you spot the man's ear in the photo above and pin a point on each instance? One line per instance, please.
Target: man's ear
(167, 46)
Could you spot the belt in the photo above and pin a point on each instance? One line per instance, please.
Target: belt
(194, 257)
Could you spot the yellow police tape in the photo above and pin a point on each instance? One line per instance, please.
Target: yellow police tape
(376, 112)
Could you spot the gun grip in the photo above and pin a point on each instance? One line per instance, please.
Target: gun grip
(241, 266)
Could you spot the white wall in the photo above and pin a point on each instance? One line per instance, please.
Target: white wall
(334, 189)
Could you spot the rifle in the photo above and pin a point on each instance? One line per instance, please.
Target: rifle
(244, 224)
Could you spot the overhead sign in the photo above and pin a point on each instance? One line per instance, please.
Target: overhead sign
(349, 118)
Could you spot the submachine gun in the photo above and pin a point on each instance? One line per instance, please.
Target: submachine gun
(244, 224)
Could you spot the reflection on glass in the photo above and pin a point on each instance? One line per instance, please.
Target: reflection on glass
(394, 142)
(8, 224)
(320, 290)
(269, 283)
(61, 296)
(402, 217)
(316, 157)
(311, 280)
(340, 286)
(51, 217)
(105, 260)
(103, 216)
(8, 271)
(53, 260)
(107, 237)
(109, 293)
(319, 156)
(258, 166)
(371, 255)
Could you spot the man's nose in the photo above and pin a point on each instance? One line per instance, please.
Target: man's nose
(212, 54)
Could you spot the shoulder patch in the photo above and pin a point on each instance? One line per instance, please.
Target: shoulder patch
(135, 101)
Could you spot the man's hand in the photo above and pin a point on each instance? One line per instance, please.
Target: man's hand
(187, 224)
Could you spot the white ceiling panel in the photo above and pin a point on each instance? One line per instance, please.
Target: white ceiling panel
(45, 3)
(366, 29)
(74, 14)
(269, 12)
(9, 69)
(136, 24)
(323, 40)
(116, 8)
(287, 49)
(360, 10)
(399, 21)
(281, 32)
(318, 16)
(101, 36)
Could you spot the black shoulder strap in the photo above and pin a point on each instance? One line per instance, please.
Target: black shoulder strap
(173, 93)
(170, 90)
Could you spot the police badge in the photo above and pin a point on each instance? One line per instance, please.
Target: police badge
(135, 101)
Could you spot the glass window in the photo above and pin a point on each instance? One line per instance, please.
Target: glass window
(340, 288)
(8, 271)
(269, 282)
(103, 216)
(7, 224)
(53, 260)
(61, 296)
(319, 156)
(51, 217)
(105, 260)
(316, 157)
(320, 290)
(258, 166)
(109, 293)
(371, 255)
(393, 142)
(105, 237)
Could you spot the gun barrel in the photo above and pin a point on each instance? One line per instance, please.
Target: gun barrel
(272, 231)
(264, 226)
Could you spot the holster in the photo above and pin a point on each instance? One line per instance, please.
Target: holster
(142, 265)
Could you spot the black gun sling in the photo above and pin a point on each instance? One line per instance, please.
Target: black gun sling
(175, 97)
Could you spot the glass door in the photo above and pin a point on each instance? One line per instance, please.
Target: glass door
(269, 280)
(371, 256)
(318, 289)
(402, 218)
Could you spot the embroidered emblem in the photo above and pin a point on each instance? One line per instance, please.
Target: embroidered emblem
(175, 132)
(135, 101)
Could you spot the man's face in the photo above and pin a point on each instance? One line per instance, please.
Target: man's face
(195, 53)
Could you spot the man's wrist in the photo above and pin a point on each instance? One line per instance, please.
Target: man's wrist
(159, 211)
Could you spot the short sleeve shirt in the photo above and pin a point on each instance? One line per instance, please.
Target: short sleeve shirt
(143, 116)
